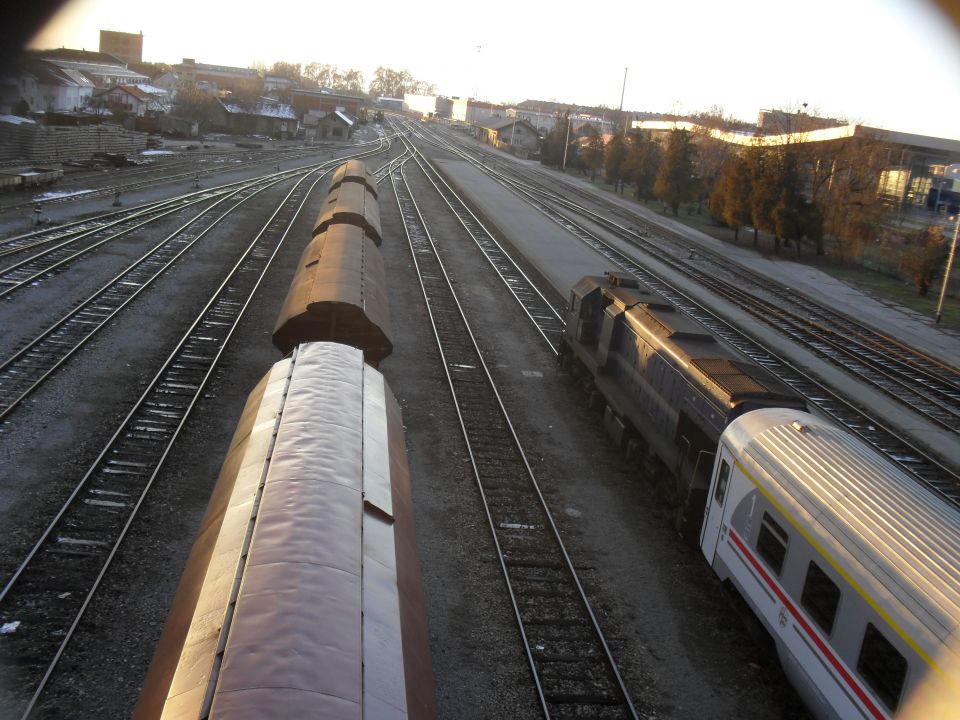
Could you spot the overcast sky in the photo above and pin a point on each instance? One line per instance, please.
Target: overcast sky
(889, 63)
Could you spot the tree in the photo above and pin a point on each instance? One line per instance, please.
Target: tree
(615, 160)
(194, 104)
(730, 199)
(290, 71)
(393, 83)
(593, 154)
(764, 191)
(553, 144)
(922, 257)
(642, 164)
(675, 183)
(331, 76)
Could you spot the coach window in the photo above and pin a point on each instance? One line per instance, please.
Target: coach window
(772, 543)
(820, 597)
(723, 477)
(882, 667)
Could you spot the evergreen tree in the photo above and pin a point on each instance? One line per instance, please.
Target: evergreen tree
(593, 154)
(675, 183)
(615, 159)
(764, 191)
(643, 164)
(730, 199)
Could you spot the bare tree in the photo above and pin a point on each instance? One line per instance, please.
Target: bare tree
(922, 257)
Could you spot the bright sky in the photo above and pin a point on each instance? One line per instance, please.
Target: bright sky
(889, 63)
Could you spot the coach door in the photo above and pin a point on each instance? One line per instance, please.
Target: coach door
(713, 517)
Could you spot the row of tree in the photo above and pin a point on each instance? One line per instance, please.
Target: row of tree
(794, 191)
(797, 192)
(386, 82)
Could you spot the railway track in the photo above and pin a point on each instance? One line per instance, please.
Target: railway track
(546, 318)
(912, 378)
(573, 670)
(23, 372)
(126, 183)
(55, 583)
(918, 463)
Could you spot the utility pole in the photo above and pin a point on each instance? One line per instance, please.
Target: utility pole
(566, 144)
(623, 92)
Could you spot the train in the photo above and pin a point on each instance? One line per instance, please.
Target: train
(851, 568)
(668, 387)
(12, 179)
(302, 595)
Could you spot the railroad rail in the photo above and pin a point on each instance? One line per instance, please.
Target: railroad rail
(573, 670)
(125, 186)
(23, 372)
(55, 583)
(918, 463)
(904, 369)
(547, 319)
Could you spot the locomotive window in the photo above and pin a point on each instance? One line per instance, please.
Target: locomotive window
(722, 479)
(772, 543)
(820, 597)
(882, 667)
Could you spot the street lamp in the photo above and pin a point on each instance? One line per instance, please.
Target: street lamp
(952, 172)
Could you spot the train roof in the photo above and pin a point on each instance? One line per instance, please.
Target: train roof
(354, 171)
(906, 539)
(650, 314)
(339, 293)
(304, 576)
(351, 203)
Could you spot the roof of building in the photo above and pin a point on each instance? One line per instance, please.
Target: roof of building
(16, 120)
(227, 69)
(818, 135)
(327, 93)
(47, 73)
(284, 112)
(81, 56)
(495, 123)
(151, 89)
(132, 90)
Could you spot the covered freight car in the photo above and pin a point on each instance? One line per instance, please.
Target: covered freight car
(338, 294)
(667, 383)
(354, 171)
(302, 596)
(351, 204)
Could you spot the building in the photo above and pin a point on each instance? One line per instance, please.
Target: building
(219, 78)
(516, 136)
(39, 86)
(266, 118)
(336, 125)
(305, 101)
(543, 122)
(128, 47)
(275, 83)
(474, 111)
(135, 99)
(103, 69)
(168, 81)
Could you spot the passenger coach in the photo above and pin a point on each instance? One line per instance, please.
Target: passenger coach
(851, 566)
